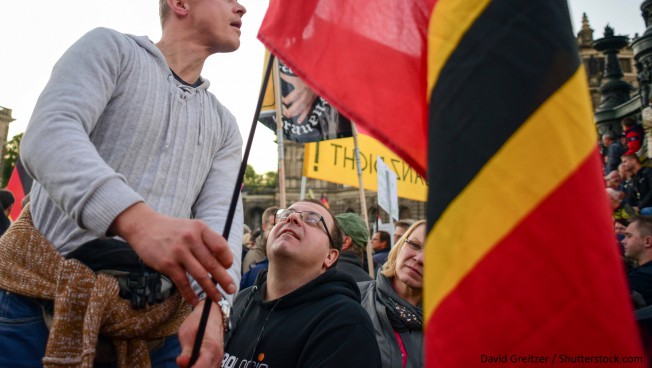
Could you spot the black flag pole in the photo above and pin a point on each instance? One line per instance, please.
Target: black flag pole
(234, 200)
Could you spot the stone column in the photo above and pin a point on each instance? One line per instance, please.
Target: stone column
(614, 90)
(642, 47)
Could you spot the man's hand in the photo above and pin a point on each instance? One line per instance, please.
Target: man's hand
(175, 246)
(212, 347)
(299, 101)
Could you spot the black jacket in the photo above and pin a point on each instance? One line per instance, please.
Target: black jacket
(643, 187)
(375, 295)
(640, 280)
(614, 153)
(4, 221)
(350, 264)
(321, 324)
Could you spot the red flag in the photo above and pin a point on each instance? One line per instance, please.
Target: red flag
(520, 265)
(366, 58)
(19, 184)
(324, 201)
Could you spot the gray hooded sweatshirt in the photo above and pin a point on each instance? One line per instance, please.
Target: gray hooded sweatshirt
(114, 127)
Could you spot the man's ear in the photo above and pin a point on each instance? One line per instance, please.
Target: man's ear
(647, 242)
(346, 243)
(178, 7)
(332, 256)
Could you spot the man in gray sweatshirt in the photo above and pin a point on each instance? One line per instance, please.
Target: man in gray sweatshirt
(125, 141)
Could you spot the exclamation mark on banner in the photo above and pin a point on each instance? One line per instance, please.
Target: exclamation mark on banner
(316, 156)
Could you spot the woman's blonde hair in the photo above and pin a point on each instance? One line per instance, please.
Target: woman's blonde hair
(389, 268)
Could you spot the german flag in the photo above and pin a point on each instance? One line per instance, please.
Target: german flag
(521, 261)
(521, 267)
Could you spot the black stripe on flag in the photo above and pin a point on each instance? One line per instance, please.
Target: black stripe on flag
(511, 60)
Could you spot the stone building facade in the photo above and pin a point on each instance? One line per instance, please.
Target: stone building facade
(619, 69)
(594, 61)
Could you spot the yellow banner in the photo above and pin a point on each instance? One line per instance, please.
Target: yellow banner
(334, 161)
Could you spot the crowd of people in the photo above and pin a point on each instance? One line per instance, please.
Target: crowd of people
(391, 298)
(628, 186)
(628, 179)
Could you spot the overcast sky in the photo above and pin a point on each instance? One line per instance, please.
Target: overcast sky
(34, 34)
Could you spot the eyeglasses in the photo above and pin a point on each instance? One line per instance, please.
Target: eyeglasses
(414, 245)
(309, 217)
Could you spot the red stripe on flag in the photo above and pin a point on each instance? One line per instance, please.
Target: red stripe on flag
(548, 288)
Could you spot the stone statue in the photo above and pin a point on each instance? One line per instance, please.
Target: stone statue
(594, 67)
(644, 69)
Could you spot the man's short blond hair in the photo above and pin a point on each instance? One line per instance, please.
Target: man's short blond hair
(163, 10)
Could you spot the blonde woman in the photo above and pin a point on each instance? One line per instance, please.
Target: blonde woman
(393, 301)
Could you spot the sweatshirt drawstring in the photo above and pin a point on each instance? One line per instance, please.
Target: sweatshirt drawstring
(174, 112)
(236, 319)
(201, 117)
(247, 304)
(253, 351)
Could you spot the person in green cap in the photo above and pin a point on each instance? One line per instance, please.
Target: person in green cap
(354, 244)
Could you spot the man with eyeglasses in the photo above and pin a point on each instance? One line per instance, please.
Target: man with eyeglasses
(301, 312)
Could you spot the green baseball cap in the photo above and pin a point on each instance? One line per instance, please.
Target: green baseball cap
(354, 226)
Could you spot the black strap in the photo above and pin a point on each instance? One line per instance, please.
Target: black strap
(138, 283)
(107, 254)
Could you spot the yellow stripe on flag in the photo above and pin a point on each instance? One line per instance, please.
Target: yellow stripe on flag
(449, 22)
(538, 157)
